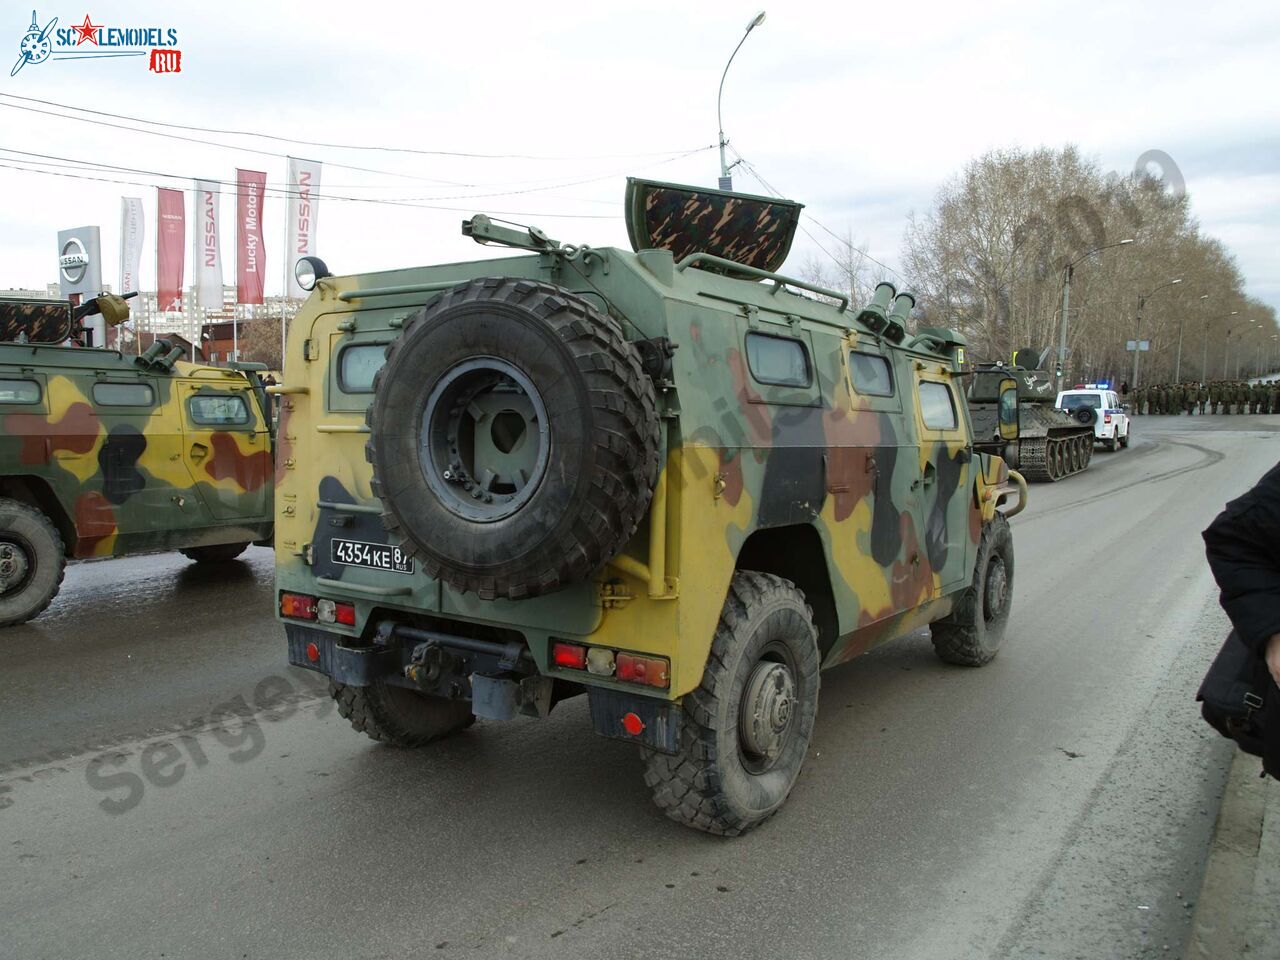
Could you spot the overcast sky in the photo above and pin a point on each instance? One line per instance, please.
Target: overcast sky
(858, 110)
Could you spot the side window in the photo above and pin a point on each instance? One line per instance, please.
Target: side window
(357, 365)
(779, 361)
(937, 408)
(19, 391)
(871, 374)
(123, 394)
(219, 410)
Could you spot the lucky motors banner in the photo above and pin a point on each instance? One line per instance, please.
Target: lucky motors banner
(131, 234)
(250, 187)
(205, 248)
(171, 244)
(300, 226)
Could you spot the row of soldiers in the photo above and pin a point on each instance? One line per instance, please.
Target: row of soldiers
(1218, 396)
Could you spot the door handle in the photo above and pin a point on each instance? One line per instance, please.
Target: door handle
(930, 474)
(199, 451)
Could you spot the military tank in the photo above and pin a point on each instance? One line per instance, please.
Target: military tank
(1052, 443)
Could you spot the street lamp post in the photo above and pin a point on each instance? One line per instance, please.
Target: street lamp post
(1226, 350)
(726, 181)
(1137, 333)
(1067, 273)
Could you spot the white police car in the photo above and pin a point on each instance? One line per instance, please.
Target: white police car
(1100, 407)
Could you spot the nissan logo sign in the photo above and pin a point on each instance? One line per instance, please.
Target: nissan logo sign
(74, 261)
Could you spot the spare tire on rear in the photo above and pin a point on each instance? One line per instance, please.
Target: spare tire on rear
(1086, 415)
(513, 438)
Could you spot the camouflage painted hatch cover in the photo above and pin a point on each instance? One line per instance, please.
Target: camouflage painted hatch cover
(36, 321)
(754, 231)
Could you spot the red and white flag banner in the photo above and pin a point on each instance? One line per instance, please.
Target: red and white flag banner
(250, 252)
(171, 246)
(205, 248)
(300, 224)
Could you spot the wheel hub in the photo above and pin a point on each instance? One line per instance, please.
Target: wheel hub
(768, 709)
(997, 589)
(485, 439)
(14, 565)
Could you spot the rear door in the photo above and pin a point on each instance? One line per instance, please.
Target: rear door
(945, 480)
(227, 449)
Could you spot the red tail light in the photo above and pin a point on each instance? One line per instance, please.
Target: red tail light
(345, 614)
(572, 656)
(650, 671)
(297, 605)
(1107, 418)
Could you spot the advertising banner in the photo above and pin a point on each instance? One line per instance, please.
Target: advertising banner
(300, 226)
(250, 186)
(171, 247)
(205, 247)
(132, 231)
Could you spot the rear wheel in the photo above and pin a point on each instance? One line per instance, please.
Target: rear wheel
(1110, 444)
(399, 716)
(31, 562)
(748, 725)
(971, 636)
(1124, 440)
(215, 553)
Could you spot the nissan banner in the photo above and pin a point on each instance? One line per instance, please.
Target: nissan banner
(171, 237)
(205, 247)
(304, 207)
(131, 237)
(250, 186)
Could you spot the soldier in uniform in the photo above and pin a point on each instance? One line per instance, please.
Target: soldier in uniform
(1273, 396)
(1214, 392)
(1202, 396)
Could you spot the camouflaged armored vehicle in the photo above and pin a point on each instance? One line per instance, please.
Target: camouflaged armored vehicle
(103, 455)
(1051, 443)
(669, 477)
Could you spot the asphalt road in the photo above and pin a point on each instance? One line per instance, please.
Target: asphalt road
(169, 788)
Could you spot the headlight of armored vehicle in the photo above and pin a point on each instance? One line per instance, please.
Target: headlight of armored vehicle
(308, 270)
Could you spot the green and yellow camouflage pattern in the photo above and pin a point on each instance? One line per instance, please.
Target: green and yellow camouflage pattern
(109, 448)
(875, 513)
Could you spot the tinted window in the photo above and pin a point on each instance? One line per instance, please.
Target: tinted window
(936, 406)
(123, 394)
(19, 391)
(778, 360)
(358, 364)
(1075, 401)
(218, 409)
(871, 375)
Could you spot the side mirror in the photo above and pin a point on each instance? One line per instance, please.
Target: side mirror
(1008, 408)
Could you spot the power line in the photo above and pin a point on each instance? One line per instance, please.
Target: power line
(93, 164)
(777, 193)
(346, 146)
(285, 193)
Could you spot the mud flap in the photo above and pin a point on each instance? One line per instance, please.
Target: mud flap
(614, 714)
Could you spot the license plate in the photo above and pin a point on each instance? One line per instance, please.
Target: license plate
(376, 556)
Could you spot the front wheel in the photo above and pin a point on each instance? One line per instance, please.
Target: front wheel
(972, 634)
(748, 725)
(31, 562)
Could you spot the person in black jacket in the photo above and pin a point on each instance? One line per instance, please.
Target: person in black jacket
(1243, 545)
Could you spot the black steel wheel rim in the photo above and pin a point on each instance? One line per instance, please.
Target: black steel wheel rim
(485, 441)
(17, 563)
(995, 591)
(769, 709)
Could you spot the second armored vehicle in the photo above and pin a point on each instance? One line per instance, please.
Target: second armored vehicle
(103, 455)
(671, 479)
